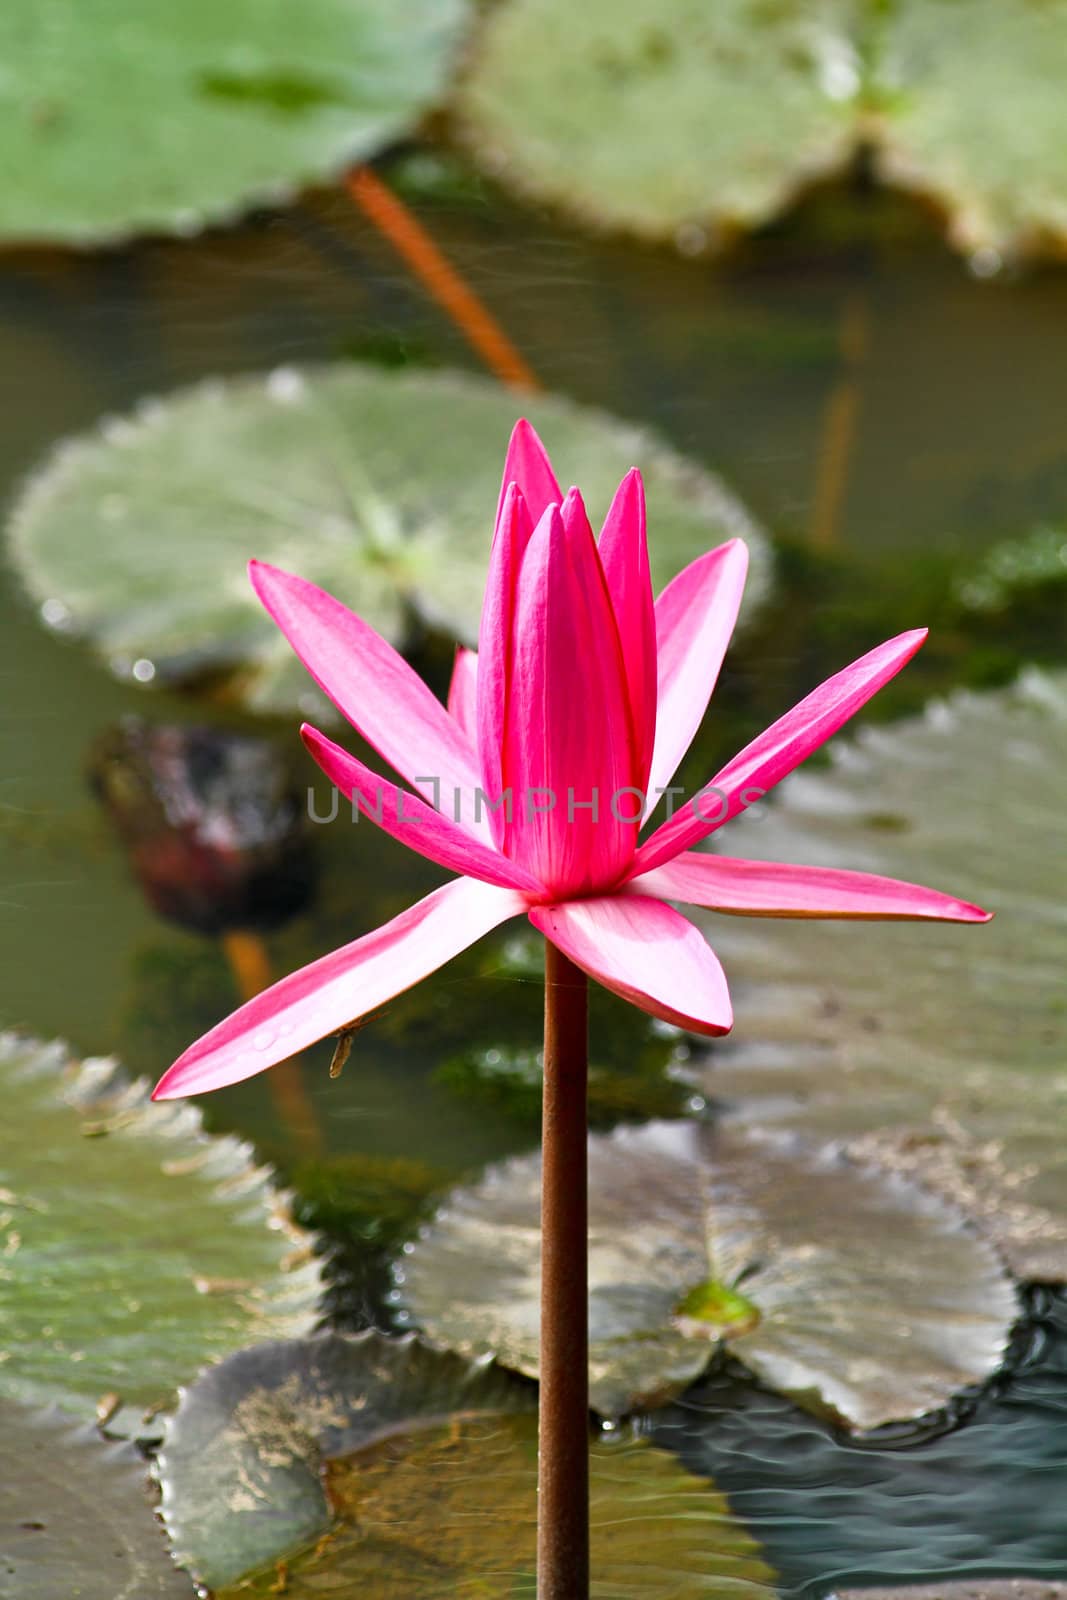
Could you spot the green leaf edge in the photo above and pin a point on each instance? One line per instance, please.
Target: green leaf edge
(97, 1088)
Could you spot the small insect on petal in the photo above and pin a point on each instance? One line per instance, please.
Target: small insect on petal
(343, 1048)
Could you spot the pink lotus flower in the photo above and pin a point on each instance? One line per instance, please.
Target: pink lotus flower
(581, 701)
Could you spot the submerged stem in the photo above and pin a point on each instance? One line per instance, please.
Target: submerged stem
(563, 1451)
(249, 962)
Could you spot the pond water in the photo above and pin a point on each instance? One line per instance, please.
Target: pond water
(888, 417)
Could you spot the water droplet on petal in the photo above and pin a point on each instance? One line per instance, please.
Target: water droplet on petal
(144, 670)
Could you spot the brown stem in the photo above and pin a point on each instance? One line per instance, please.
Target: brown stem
(563, 1451)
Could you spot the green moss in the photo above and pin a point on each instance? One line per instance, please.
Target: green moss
(718, 1309)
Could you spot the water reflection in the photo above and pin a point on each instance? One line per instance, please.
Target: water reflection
(927, 1502)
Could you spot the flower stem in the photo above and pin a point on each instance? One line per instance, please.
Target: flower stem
(563, 1453)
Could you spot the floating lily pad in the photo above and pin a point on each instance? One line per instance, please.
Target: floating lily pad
(75, 1515)
(661, 118)
(848, 1288)
(982, 129)
(983, 1494)
(125, 117)
(673, 120)
(133, 1247)
(416, 1472)
(937, 1049)
(380, 486)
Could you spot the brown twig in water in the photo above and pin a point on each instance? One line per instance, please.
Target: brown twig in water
(839, 426)
(250, 965)
(410, 239)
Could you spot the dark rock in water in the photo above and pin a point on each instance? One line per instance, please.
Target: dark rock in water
(211, 820)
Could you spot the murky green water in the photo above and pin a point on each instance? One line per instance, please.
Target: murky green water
(885, 415)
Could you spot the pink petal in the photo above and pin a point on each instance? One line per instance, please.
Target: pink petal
(513, 530)
(527, 464)
(408, 818)
(584, 557)
(647, 953)
(373, 686)
(463, 692)
(623, 551)
(776, 889)
(567, 746)
(576, 519)
(775, 752)
(340, 988)
(695, 617)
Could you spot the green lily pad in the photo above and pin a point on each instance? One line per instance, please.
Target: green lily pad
(75, 1515)
(133, 1247)
(416, 1474)
(935, 1049)
(848, 1288)
(980, 130)
(664, 119)
(380, 486)
(674, 120)
(124, 116)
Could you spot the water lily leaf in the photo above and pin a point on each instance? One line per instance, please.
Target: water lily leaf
(378, 485)
(982, 1492)
(979, 130)
(664, 119)
(675, 121)
(937, 1049)
(416, 1473)
(848, 1288)
(118, 118)
(240, 1464)
(133, 1247)
(75, 1516)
